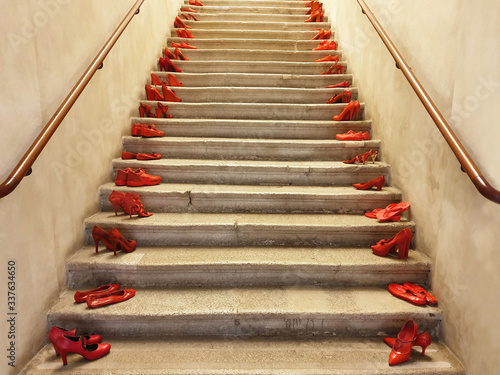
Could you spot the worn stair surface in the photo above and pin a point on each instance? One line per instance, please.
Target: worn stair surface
(257, 258)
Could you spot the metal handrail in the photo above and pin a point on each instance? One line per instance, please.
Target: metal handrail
(23, 168)
(468, 165)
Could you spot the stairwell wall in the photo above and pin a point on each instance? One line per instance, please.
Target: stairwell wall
(45, 47)
(453, 48)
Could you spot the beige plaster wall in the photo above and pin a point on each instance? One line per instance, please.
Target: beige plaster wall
(45, 46)
(454, 49)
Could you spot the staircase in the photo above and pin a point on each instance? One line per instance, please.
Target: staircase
(257, 259)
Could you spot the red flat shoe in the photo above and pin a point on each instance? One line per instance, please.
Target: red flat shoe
(144, 156)
(140, 178)
(144, 130)
(401, 350)
(377, 182)
(373, 215)
(343, 97)
(403, 293)
(82, 296)
(110, 298)
(341, 84)
(417, 290)
(401, 241)
(328, 58)
(121, 244)
(392, 210)
(172, 81)
(56, 333)
(69, 344)
(359, 136)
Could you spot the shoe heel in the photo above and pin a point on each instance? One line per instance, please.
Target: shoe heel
(63, 357)
(55, 347)
(423, 340)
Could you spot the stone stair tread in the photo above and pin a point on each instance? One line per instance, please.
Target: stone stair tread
(256, 25)
(251, 356)
(252, 44)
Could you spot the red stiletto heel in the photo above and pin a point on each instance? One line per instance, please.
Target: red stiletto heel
(116, 199)
(82, 296)
(343, 97)
(192, 17)
(403, 293)
(361, 158)
(169, 95)
(172, 81)
(341, 84)
(377, 182)
(167, 65)
(179, 54)
(129, 202)
(145, 110)
(178, 23)
(418, 290)
(56, 333)
(167, 53)
(423, 340)
(122, 243)
(401, 241)
(336, 68)
(161, 110)
(153, 93)
(99, 234)
(69, 344)
(349, 113)
(401, 350)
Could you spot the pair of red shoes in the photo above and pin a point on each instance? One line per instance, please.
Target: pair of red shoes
(89, 346)
(183, 45)
(322, 34)
(377, 182)
(129, 177)
(326, 45)
(178, 23)
(195, 2)
(343, 97)
(167, 65)
(336, 68)
(112, 239)
(129, 203)
(176, 55)
(406, 339)
(184, 33)
(140, 156)
(160, 111)
(412, 293)
(361, 158)
(104, 295)
(353, 136)
(152, 93)
(399, 242)
(145, 130)
(349, 113)
(390, 213)
(172, 81)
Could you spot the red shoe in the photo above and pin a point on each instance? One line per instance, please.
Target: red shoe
(184, 33)
(423, 340)
(144, 130)
(172, 81)
(121, 176)
(195, 2)
(153, 94)
(373, 215)
(403, 293)
(179, 55)
(349, 113)
(341, 84)
(323, 46)
(131, 205)
(140, 156)
(188, 10)
(187, 45)
(328, 58)
(167, 53)
(69, 344)
(401, 350)
(145, 110)
(178, 23)
(161, 111)
(167, 65)
(56, 333)
(99, 234)
(336, 68)
(361, 158)
(417, 290)
(121, 244)
(359, 136)
(110, 298)
(169, 95)
(401, 241)
(157, 81)
(104, 289)
(392, 210)
(377, 182)
(140, 178)
(343, 97)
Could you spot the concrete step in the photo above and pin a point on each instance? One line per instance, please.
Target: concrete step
(255, 356)
(228, 41)
(257, 94)
(243, 15)
(249, 149)
(252, 55)
(246, 24)
(252, 311)
(236, 7)
(245, 172)
(253, 229)
(202, 34)
(266, 129)
(267, 199)
(260, 67)
(242, 266)
(254, 111)
(258, 3)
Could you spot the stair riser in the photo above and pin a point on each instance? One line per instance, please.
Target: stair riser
(220, 128)
(247, 8)
(268, 45)
(247, 325)
(256, 95)
(255, 67)
(271, 18)
(256, 25)
(255, 55)
(226, 150)
(235, 277)
(205, 36)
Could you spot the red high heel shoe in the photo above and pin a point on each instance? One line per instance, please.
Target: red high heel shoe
(322, 34)
(169, 95)
(349, 113)
(179, 55)
(343, 97)
(341, 84)
(377, 182)
(195, 2)
(361, 158)
(392, 210)
(144, 130)
(172, 81)
(167, 53)
(326, 45)
(99, 234)
(373, 215)
(183, 45)
(145, 110)
(328, 58)
(184, 33)
(167, 65)
(423, 340)
(316, 16)
(69, 344)
(56, 333)
(419, 291)
(407, 338)
(161, 110)
(336, 68)
(178, 23)
(401, 241)
(188, 10)
(314, 7)
(157, 81)
(110, 298)
(153, 93)
(82, 296)
(403, 293)
(132, 205)
(121, 244)
(140, 156)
